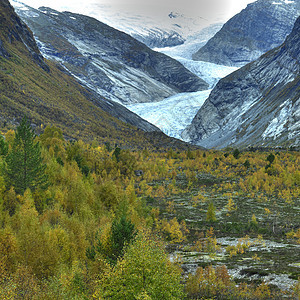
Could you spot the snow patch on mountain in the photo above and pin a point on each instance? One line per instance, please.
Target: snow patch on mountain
(283, 2)
(276, 126)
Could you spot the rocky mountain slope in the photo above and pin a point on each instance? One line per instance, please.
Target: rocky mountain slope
(262, 26)
(258, 104)
(47, 95)
(110, 62)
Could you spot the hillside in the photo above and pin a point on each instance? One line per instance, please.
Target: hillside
(258, 104)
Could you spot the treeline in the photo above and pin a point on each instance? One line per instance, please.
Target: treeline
(74, 219)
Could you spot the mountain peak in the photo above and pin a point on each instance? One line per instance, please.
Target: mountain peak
(173, 15)
(261, 26)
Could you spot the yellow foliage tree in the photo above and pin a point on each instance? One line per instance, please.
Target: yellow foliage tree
(145, 272)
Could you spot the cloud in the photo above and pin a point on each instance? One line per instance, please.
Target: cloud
(203, 8)
(194, 7)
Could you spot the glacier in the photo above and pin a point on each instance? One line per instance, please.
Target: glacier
(173, 114)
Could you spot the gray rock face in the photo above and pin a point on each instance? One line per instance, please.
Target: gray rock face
(122, 113)
(262, 26)
(257, 105)
(106, 60)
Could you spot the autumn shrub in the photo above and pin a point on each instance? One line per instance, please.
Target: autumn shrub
(26, 284)
(211, 212)
(209, 282)
(8, 253)
(34, 248)
(109, 194)
(10, 202)
(215, 283)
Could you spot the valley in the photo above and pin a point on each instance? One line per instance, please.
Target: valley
(228, 220)
(144, 160)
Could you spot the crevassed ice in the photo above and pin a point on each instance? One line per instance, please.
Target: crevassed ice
(172, 115)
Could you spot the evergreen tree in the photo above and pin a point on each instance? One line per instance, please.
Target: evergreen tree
(122, 233)
(24, 166)
(236, 153)
(271, 158)
(3, 146)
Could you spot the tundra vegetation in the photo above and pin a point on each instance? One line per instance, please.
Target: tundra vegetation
(87, 226)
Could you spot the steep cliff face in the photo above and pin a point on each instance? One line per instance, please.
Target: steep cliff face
(110, 62)
(257, 105)
(262, 26)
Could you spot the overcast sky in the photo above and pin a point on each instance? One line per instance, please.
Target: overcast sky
(190, 7)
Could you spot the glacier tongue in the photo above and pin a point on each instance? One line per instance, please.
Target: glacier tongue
(209, 72)
(172, 115)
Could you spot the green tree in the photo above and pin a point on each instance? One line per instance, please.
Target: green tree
(236, 153)
(117, 153)
(3, 146)
(145, 272)
(211, 213)
(122, 233)
(24, 165)
(271, 158)
(247, 164)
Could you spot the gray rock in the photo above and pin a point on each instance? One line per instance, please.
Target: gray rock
(138, 173)
(260, 27)
(257, 105)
